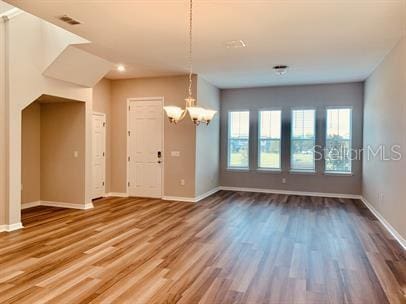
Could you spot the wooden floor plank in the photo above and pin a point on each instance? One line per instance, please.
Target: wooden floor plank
(232, 247)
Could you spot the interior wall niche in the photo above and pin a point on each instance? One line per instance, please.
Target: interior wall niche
(53, 151)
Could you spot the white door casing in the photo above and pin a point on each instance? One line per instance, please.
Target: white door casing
(98, 155)
(145, 147)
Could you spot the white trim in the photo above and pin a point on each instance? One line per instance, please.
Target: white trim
(56, 204)
(385, 223)
(287, 192)
(296, 170)
(66, 205)
(179, 199)
(326, 172)
(191, 199)
(207, 194)
(132, 99)
(12, 227)
(30, 204)
(10, 14)
(248, 167)
(104, 116)
(119, 194)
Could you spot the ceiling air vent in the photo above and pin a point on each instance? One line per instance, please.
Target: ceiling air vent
(280, 69)
(235, 44)
(69, 20)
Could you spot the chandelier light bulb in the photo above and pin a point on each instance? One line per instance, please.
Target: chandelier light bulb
(174, 113)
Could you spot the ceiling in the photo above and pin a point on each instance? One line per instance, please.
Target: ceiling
(321, 40)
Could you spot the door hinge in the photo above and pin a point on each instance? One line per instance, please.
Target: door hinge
(128, 184)
(129, 158)
(103, 153)
(104, 124)
(129, 108)
(129, 133)
(103, 184)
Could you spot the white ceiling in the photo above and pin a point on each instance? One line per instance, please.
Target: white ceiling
(321, 40)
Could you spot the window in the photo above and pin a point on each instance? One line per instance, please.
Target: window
(269, 140)
(303, 140)
(238, 139)
(338, 140)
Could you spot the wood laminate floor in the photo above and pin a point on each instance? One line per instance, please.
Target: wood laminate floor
(230, 248)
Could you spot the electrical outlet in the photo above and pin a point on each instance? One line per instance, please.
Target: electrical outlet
(380, 197)
(283, 180)
(182, 182)
(175, 153)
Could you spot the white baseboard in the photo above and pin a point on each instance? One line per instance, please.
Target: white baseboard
(287, 192)
(67, 205)
(12, 227)
(57, 204)
(191, 199)
(207, 194)
(385, 223)
(119, 194)
(179, 199)
(30, 204)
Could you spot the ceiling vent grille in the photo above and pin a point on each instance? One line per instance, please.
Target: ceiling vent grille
(69, 20)
(235, 44)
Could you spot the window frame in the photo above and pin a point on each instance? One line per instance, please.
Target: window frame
(332, 172)
(231, 168)
(295, 170)
(264, 169)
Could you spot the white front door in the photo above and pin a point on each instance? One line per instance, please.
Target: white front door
(98, 155)
(145, 139)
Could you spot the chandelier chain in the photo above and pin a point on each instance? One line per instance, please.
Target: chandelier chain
(190, 46)
(197, 114)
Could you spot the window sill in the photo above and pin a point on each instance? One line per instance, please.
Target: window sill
(264, 170)
(238, 169)
(333, 173)
(308, 172)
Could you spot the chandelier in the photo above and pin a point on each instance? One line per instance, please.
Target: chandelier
(196, 113)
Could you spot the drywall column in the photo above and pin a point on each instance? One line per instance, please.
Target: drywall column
(88, 152)
(207, 141)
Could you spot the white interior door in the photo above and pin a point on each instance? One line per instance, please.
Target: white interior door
(99, 155)
(145, 147)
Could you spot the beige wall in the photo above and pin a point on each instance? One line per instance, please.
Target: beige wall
(62, 133)
(286, 98)
(385, 124)
(25, 83)
(208, 140)
(102, 104)
(180, 137)
(31, 153)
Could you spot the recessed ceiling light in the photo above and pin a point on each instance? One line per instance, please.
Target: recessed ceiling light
(121, 68)
(235, 44)
(280, 69)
